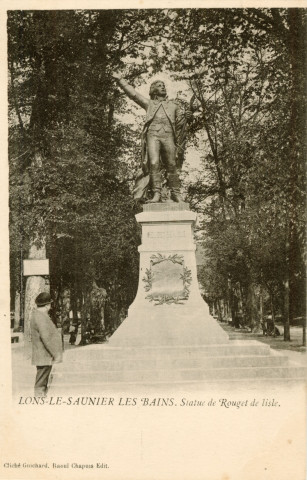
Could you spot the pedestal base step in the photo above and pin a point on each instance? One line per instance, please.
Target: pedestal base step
(101, 367)
(192, 374)
(168, 363)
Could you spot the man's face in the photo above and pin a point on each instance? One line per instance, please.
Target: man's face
(160, 89)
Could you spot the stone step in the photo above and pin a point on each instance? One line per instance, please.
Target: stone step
(142, 363)
(160, 387)
(94, 367)
(98, 367)
(105, 352)
(176, 375)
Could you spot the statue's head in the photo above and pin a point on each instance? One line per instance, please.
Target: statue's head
(157, 88)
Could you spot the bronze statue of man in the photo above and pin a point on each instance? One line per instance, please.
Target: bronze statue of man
(160, 146)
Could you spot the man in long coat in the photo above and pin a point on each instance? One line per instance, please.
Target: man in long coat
(46, 343)
(160, 145)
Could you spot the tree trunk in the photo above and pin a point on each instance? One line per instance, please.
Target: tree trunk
(273, 315)
(252, 309)
(35, 285)
(231, 302)
(234, 305)
(219, 312)
(261, 319)
(84, 317)
(286, 311)
(65, 308)
(74, 302)
(214, 308)
(17, 312)
(243, 299)
(225, 303)
(297, 58)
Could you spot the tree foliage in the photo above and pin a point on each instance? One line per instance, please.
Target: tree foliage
(69, 181)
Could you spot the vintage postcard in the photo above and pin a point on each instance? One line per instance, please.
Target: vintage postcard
(152, 294)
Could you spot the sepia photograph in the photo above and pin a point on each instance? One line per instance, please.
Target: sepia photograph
(153, 251)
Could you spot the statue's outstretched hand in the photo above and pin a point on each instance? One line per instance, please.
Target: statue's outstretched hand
(116, 76)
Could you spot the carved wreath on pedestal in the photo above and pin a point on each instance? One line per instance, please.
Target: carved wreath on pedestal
(167, 279)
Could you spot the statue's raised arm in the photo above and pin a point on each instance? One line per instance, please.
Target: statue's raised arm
(160, 147)
(130, 91)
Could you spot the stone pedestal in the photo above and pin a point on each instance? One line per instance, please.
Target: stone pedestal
(168, 309)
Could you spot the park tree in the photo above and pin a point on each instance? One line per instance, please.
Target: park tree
(70, 186)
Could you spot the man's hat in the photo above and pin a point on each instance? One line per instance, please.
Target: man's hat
(43, 299)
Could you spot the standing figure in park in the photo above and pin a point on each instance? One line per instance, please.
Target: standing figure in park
(46, 343)
(162, 137)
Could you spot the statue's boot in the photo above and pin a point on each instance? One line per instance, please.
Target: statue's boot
(174, 185)
(156, 185)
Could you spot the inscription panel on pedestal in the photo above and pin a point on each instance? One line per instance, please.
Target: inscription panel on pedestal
(166, 234)
(167, 280)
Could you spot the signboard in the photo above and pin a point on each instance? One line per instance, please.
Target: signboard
(36, 267)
